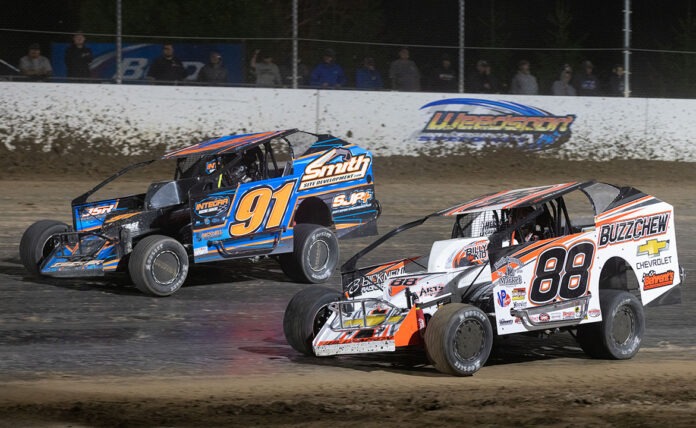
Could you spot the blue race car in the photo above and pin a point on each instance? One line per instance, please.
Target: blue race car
(286, 193)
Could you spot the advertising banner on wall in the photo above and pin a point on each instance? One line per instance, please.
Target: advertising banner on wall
(480, 122)
(137, 59)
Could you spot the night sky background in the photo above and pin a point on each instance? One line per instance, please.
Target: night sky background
(511, 24)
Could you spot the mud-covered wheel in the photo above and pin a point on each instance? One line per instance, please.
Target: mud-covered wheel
(619, 335)
(458, 339)
(158, 265)
(304, 316)
(36, 244)
(314, 256)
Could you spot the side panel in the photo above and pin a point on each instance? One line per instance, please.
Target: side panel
(643, 234)
(553, 282)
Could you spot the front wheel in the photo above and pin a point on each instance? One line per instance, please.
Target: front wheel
(158, 265)
(314, 256)
(306, 314)
(36, 243)
(619, 335)
(458, 339)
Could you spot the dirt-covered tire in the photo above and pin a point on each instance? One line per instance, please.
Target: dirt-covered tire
(314, 256)
(458, 339)
(619, 335)
(305, 315)
(35, 244)
(158, 265)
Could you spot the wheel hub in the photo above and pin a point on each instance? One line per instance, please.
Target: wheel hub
(318, 256)
(469, 339)
(166, 267)
(624, 325)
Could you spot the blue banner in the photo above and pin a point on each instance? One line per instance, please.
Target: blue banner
(138, 57)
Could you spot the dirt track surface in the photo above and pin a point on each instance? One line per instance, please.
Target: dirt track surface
(97, 353)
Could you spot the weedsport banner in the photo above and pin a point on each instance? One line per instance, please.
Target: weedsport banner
(138, 57)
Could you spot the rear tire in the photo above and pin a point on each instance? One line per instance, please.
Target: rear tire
(458, 339)
(619, 335)
(314, 257)
(36, 244)
(305, 315)
(158, 265)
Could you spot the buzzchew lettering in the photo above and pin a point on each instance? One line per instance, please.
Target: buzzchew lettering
(633, 229)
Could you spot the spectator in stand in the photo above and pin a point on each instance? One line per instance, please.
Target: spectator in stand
(586, 82)
(34, 65)
(483, 81)
(302, 73)
(214, 72)
(267, 72)
(616, 81)
(78, 57)
(167, 68)
(444, 77)
(367, 76)
(524, 83)
(404, 73)
(562, 86)
(328, 74)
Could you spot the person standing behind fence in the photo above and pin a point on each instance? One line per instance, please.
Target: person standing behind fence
(404, 73)
(483, 81)
(267, 73)
(444, 77)
(214, 72)
(367, 76)
(34, 65)
(78, 57)
(562, 86)
(167, 68)
(328, 74)
(616, 81)
(524, 83)
(586, 82)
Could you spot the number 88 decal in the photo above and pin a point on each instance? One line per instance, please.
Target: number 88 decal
(563, 273)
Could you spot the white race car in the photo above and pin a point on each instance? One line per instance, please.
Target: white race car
(518, 261)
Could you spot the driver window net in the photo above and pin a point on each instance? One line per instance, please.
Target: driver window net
(476, 225)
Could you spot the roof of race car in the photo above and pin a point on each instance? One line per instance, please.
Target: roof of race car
(227, 144)
(513, 198)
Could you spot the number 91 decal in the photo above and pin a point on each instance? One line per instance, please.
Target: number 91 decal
(563, 273)
(256, 203)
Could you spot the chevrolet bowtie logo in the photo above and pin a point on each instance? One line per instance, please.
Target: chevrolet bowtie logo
(653, 247)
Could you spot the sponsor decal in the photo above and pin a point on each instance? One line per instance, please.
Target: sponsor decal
(82, 264)
(654, 263)
(211, 166)
(211, 207)
(509, 276)
(505, 322)
(480, 122)
(653, 247)
(656, 280)
(200, 251)
(633, 229)
(370, 282)
(569, 315)
(350, 201)
(98, 210)
(475, 253)
(429, 291)
(594, 313)
(519, 293)
(211, 234)
(544, 317)
(503, 299)
(335, 166)
(519, 305)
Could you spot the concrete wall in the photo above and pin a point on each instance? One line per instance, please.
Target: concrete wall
(135, 118)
